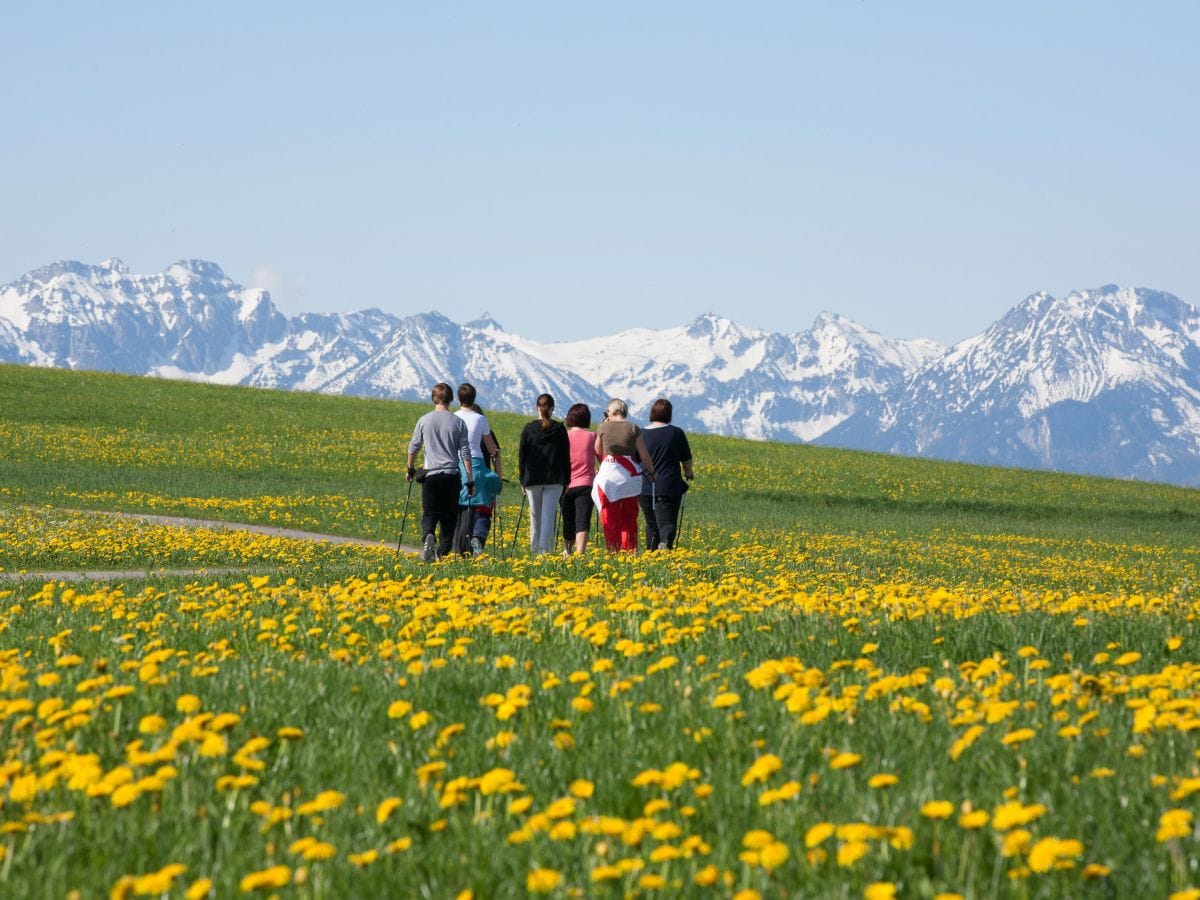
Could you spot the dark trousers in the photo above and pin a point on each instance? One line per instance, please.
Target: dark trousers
(576, 507)
(662, 520)
(439, 506)
(473, 522)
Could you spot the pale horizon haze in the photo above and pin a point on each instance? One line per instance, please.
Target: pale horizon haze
(577, 170)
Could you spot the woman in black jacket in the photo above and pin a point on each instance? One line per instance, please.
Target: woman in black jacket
(544, 464)
(668, 447)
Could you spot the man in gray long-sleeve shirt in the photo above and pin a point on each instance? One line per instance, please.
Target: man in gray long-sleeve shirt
(444, 437)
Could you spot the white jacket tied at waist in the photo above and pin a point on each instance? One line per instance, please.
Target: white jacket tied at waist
(618, 478)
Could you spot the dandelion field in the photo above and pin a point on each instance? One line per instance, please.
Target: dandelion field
(870, 677)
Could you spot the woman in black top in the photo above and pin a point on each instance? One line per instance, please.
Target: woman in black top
(671, 455)
(544, 463)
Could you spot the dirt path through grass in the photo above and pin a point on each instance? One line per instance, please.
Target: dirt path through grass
(270, 530)
(118, 574)
(183, 522)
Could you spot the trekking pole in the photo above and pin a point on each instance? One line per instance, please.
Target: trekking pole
(679, 524)
(496, 521)
(654, 514)
(404, 518)
(470, 535)
(497, 530)
(512, 545)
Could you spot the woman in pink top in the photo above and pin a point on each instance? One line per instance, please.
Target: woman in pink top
(576, 502)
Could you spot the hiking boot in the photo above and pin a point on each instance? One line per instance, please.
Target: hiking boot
(476, 547)
(662, 545)
(428, 554)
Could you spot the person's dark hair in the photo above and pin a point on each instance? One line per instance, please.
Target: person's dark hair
(466, 394)
(474, 407)
(578, 416)
(442, 393)
(545, 406)
(660, 411)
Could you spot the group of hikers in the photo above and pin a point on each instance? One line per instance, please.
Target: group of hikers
(562, 466)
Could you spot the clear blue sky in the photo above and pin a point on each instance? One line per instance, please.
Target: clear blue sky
(572, 168)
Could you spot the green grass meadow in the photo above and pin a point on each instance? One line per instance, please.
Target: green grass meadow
(987, 637)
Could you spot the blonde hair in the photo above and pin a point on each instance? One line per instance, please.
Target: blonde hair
(617, 407)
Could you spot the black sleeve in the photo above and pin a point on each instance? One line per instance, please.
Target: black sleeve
(685, 450)
(522, 454)
(564, 456)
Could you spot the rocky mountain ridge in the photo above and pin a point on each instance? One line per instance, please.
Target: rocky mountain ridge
(1105, 381)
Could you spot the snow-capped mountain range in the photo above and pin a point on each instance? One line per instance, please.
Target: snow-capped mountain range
(1105, 381)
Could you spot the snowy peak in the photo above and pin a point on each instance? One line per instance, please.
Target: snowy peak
(841, 342)
(1051, 349)
(485, 322)
(1105, 380)
(190, 318)
(187, 271)
(716, 329)
(726, 377)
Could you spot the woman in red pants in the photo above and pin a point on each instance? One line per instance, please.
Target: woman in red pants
(618, 483)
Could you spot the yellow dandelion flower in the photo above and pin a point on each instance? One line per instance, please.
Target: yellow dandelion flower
(1174, 823)
(159, 882)
(561, 808)
(1016, 842)
(581, 788)
(973, 820)
(419, 720)
(399, 709)
(1020, 736)
(773, 855)
(757, 839)
(818, 834)
(882, 780)
(325, 800)
(542, 881)
(152, 724)
(605, 873)
(937, 809)
(762, 769)
(386, 807)
(1048, 852)
(266, 880)
(125, 795)
(851, 852)
(845, 760)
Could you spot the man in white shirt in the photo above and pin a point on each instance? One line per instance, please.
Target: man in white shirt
(475, 513)
(479, 433)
